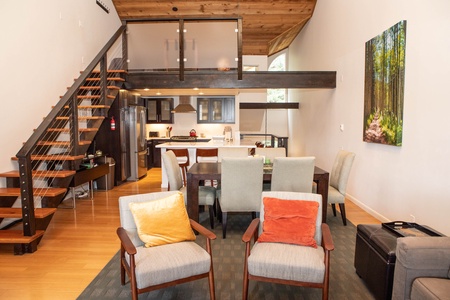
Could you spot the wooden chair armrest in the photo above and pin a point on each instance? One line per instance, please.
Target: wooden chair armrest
(126, 242)
(251, 231)
(202, 230)
(327, 239)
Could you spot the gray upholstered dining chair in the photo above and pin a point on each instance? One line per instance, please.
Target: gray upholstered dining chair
(288, 263)
(232, 152)
(338, 181)
(206, 194)
(152, 268)
(293, 174)
(241, 187)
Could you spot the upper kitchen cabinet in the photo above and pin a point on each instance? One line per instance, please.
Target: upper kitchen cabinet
(159, 110)
(215, 110)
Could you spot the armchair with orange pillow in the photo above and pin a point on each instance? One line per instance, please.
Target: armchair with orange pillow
(290, 226)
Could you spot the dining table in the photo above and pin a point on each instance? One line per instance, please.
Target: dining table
(212, 171)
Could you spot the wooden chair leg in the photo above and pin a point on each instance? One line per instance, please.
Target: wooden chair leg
(211, 215)
(212, 292)
(333, 206)
(224, 225)
(344, 218)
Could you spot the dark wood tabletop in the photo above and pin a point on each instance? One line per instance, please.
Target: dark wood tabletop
(213, 171)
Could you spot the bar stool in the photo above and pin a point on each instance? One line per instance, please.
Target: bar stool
(207, 155)
(182, 153)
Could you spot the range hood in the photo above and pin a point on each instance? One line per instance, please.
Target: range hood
(184, 106)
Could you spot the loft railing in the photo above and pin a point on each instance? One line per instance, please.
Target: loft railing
(66, 132)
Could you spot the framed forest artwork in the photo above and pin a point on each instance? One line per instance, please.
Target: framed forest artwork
(384, 86)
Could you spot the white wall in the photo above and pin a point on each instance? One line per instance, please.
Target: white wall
(392, 183)
(45, 45)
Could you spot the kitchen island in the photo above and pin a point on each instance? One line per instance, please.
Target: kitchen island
(192, 146)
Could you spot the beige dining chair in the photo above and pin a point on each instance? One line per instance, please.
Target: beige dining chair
(270, 153)
(206, 194)
(241, 187)
(293, 174)
(183, 160)
(232, 152)
(338, 182)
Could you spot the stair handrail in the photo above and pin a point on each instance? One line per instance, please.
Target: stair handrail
(24, 154)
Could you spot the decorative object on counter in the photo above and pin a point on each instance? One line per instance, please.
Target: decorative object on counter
(228, 133)
(193, 133)
(168, 130)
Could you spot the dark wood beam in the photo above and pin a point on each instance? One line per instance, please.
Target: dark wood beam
(250, 80)
(269, 105)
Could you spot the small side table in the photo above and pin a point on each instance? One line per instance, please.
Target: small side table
(87, 176)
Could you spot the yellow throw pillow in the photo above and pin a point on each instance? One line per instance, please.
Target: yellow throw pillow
(162, 221)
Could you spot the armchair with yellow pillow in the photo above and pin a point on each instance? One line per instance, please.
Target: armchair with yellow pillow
(290, 225)
(158, 247)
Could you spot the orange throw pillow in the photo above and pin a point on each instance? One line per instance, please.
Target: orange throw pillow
(289, 221)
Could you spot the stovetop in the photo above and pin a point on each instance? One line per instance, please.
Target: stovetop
(183, 138)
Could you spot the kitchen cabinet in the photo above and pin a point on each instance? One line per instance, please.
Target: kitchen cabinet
(215, 110)
(156, 152)
(159, 110)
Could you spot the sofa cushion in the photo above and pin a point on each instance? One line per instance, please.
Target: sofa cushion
(424, 288)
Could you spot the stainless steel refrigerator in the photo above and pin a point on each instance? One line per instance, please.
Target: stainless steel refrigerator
(138, 142)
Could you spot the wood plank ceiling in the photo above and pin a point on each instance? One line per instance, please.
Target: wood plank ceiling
(269, 26)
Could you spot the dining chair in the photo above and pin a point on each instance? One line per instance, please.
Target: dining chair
(183, 160)
(338, 181)
(293, 174)
(270, 153)
(206, 194)
(285, 261)
(152, 268)
(232, 152)
(241, 187)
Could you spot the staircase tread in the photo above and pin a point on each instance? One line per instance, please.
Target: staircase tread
(16, 236)
(16, 212)
(110, 71)
(67, 129)
(49, 192)
(83, 118)
(61, 143)
(109, 79)
(60, 157)
(111, 87)
(90, 106)
(43, 173)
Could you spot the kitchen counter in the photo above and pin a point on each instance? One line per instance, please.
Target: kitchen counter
(191, 149)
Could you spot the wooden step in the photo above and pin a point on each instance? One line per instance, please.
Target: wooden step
(61, 143)
(16, 212)
(66, 130)
(54, 157)
(109, 79)
(90, 106)
(43, 173)
(92, 96)
(48, 192)
(17, 237)
(83, 118)
(96, 88)
(110, 71)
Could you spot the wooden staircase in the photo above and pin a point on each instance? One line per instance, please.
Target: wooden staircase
(50, 158)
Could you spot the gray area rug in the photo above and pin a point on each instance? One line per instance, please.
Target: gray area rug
(228, 258)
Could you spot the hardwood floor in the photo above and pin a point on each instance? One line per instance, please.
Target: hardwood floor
(80, 242)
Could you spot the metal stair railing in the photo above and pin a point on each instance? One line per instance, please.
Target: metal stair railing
(60, 135)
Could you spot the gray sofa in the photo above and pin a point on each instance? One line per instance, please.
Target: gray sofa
(422, 268)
